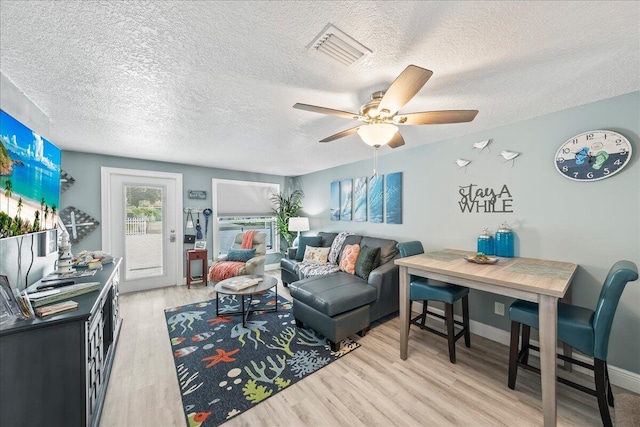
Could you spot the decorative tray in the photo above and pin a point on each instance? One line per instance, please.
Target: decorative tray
(483, 260)
(84, 264)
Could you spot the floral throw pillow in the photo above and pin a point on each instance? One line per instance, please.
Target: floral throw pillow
(316, 255)
(349, 258)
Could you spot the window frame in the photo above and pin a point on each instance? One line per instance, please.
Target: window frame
(215, 218)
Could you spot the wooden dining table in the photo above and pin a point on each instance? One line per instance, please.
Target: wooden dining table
(530, 279)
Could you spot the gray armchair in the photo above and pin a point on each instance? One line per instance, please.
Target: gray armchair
(256, 264)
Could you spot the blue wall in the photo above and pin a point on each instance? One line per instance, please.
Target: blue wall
(592, 224)
(85, 193)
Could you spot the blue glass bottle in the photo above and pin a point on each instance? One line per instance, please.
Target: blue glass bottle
(504, 241)
(486, 243)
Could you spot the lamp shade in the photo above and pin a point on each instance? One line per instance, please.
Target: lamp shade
(377, 134)
(298, 223)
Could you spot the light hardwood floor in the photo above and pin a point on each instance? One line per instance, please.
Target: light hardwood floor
(371, 386)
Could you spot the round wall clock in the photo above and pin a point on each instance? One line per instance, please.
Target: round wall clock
(593, 155)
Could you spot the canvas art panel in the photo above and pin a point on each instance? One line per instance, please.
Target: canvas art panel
(30, 167)
(393, 198)
(376, 198)
(346, 195)
(335, 201)
(360, 199)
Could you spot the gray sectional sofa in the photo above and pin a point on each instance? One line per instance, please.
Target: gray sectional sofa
(340, 304)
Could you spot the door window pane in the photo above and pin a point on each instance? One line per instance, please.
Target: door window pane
(143, 232)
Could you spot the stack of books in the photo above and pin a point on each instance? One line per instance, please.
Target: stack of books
(56, 308)
(54, 295)
(240, 283)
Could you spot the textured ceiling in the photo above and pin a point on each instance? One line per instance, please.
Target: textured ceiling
(213, 83)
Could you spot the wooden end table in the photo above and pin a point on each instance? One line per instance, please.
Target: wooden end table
(196, 255)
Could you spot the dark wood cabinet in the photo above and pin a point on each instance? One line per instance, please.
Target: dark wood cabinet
(54, 371)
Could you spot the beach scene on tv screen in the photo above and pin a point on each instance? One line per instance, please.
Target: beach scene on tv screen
(29, 172)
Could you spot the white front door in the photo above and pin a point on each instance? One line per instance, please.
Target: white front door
(141, 214)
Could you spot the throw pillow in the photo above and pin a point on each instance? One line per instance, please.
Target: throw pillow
(349, 257)
(302, 244)
(241, 255)
(368, 260)
(316, 255)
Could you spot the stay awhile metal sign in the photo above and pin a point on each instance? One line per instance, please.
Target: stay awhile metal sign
(474, 199)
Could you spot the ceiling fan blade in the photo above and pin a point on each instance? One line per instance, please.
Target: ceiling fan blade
(323, 110)
(436, 117)
(403, 88)
(340, 134)
(396, 141)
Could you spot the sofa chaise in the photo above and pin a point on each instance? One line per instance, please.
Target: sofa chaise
(336, 303)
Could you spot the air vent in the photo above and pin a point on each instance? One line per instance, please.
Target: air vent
(338, 46)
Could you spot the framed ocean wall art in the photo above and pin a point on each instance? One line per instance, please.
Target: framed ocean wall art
(375, 198)
(335, 201)
(360, 199)
(393, 198)
(346, 195)
(29, 179)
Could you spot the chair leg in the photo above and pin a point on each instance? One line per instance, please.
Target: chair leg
(513, 354)
(448, 310)
(425, 307)
(526, 333)
(609, 391)
(600, 373)
(465, 320)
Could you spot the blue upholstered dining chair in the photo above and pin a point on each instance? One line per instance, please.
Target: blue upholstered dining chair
(422, 290)
(583, 329)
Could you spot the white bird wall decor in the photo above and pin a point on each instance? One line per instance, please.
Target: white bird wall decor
(482, 145)
(462, 163)
(509, 155)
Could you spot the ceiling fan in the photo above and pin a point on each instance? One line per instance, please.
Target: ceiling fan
(380, 115)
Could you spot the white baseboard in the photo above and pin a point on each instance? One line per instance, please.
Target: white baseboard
(618, 376)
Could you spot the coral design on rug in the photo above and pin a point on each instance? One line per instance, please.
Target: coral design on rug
(225, 368)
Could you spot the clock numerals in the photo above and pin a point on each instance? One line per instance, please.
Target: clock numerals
(593, 155)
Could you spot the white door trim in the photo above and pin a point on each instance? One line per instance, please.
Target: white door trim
(105, 190)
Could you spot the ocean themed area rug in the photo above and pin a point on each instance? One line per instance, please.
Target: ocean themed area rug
(225, 369)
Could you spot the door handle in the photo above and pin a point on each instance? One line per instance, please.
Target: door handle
(172, 236)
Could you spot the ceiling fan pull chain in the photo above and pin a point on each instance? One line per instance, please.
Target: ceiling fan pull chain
(375, 161)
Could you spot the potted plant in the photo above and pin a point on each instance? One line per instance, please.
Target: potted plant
(286, 206)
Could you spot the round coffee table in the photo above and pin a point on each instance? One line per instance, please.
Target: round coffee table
(266, 283)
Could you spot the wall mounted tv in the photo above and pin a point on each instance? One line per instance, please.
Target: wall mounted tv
(29, 179)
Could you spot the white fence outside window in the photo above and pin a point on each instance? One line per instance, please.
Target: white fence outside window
(135, 226)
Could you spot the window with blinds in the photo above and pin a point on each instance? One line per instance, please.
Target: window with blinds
(241, 206)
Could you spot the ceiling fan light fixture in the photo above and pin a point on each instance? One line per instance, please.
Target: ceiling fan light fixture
(377, 134)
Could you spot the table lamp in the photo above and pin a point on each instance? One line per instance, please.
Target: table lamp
(298, 223)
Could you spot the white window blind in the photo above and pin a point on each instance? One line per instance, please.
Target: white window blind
(245, 199)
